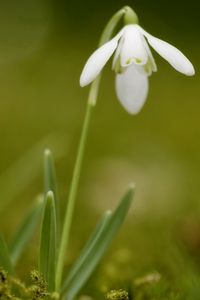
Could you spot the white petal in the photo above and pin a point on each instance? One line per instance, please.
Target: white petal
(133, 49)
(98, 59)
(132, 88)
(117, 53)
(170, 53)
(151, 61)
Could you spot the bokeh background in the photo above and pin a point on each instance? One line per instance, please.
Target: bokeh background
(43, 47)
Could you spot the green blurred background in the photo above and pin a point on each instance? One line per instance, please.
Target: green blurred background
(43, 47)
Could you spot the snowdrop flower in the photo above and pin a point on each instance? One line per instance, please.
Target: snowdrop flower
(133, 63)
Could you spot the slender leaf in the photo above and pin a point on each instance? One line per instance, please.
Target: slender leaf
(47, 258)
(25, 231)
(50, 183)
(85, 253)
(97, 248)
(5, 261)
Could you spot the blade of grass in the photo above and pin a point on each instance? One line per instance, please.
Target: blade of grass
(25, 231)
(71, 287)
(50, 183)
(85, 253)
(5, 261)
(47, 257)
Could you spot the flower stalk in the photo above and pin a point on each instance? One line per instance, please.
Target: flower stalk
(92, 98)
(72, 197)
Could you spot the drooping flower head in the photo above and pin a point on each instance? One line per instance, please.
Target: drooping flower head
(133, 63)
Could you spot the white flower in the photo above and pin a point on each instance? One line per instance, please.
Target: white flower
(133, 63)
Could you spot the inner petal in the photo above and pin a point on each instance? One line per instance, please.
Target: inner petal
(133, 49)
(116, 64)
(117, 52)
(150, 65)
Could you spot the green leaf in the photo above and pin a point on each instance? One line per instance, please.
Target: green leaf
(47, 257)
(50, 182)
(85, 253)
(5, 261)
(25, 231)
(96, 248)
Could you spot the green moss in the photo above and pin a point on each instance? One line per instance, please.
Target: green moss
(117, 295)
(12, 288)
(38, 290)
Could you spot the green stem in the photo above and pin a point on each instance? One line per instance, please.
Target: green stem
(74, 184)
